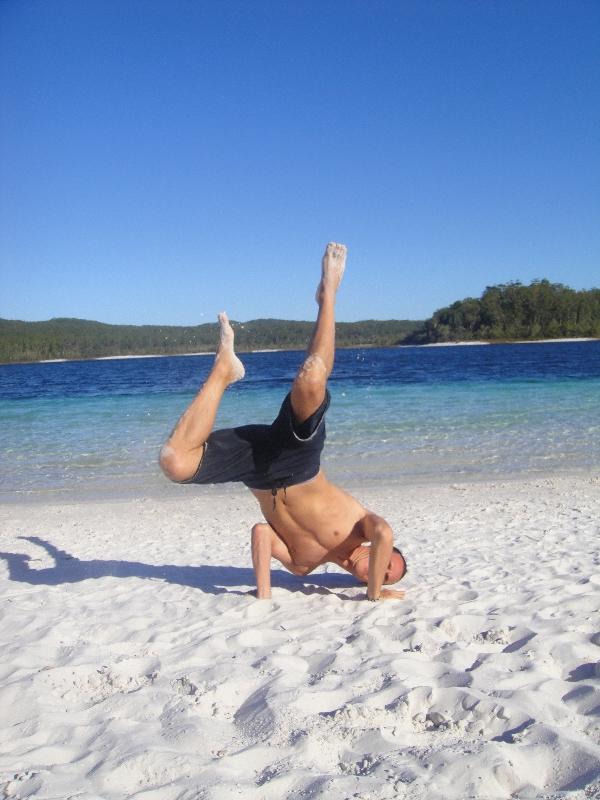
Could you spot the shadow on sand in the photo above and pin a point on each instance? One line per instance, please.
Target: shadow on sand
(210, 579)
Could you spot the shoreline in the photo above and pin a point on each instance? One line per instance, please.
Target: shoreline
(176, 493)
(143, 355)
(466, 343)
(512, 341)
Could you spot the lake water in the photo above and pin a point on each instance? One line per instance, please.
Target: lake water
(94, 428)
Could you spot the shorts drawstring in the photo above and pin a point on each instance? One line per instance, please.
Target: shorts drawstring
(274, 493)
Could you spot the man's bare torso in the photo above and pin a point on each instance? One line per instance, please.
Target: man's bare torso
(317, 521)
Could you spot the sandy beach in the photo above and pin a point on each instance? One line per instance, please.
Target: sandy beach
(564, 340)
(135, 661)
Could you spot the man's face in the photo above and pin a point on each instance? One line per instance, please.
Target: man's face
(359, 565)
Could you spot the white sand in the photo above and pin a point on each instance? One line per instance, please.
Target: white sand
(134, 663)
(515, 341)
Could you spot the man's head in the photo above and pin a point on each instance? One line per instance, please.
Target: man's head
(358, 565)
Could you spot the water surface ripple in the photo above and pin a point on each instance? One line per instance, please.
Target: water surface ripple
(90, 428)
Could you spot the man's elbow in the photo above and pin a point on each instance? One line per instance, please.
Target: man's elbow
(177, 468)
(382, 533)
(260, 533)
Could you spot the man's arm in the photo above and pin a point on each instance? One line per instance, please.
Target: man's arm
(261, 559)
(379, 533)
(266, 544)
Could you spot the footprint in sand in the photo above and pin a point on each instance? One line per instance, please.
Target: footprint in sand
(174, 723)
(184, 686)
(24, 783)
(136, 772)
(584, 699)
(434, 709)
(84, 685)
(257, 637)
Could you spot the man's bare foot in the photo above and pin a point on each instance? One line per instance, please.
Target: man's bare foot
(333, 265)
(226, 356)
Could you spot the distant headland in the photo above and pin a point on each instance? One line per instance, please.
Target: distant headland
(513, 312)
(507, 312)
(66, 339)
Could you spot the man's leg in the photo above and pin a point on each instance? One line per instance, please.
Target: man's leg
(181, 453)
(308, 390)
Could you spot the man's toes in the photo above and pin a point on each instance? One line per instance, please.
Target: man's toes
(224, 322)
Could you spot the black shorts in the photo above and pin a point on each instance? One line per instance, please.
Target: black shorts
(266, 456)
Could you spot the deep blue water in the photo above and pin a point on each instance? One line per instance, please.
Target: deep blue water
(94, 427)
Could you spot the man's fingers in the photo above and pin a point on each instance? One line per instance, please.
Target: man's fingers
(392, 594)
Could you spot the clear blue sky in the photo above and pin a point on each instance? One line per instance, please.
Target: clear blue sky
(163, 159)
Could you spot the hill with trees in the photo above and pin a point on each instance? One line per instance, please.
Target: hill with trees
(504, 313)
(81, 339)
(512, 311)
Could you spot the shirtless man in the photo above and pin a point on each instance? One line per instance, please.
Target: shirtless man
(309, 521)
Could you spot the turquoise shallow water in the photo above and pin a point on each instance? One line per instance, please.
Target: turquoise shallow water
(416, 414)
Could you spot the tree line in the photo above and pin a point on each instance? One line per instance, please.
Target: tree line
(506, 312)
(81, 339)
(513, 311)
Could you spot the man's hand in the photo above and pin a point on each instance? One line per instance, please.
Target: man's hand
(266, 545)
(391, 594)
(379, 533)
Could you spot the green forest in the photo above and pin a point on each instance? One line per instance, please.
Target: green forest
(512, 312)
(81, 339)
(504, 313)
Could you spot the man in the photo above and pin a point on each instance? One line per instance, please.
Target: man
(309, 521)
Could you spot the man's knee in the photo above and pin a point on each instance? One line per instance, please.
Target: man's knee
(310, 383)
(313, 371)
(295, 569)
(310, 391)
(175, 465)
(306, 399)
